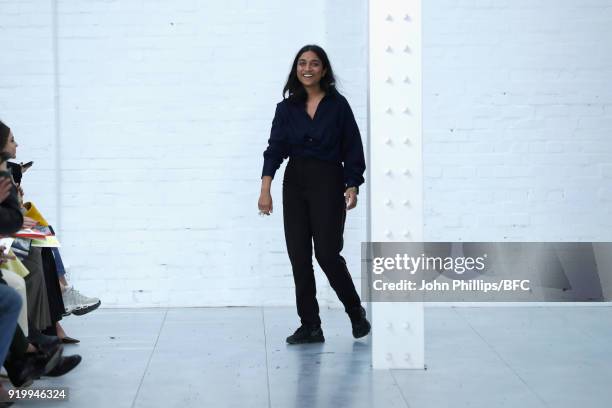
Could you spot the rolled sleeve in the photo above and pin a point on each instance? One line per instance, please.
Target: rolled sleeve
(277, 149)
(352, 151)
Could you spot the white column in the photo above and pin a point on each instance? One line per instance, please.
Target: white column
(395, 166)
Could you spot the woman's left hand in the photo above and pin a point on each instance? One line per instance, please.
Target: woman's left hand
(5, 257)
(350, 197)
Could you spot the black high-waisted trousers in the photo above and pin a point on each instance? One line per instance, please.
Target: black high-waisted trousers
(314, 211)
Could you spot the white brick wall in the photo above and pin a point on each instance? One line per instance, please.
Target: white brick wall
(517, 119)
(27, 92)
(164, 112)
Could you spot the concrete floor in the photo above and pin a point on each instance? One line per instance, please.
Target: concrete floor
(237, 357)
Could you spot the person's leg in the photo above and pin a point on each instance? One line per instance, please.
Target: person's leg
(59, 265)
(74, 301)
(20, 344)
(327, 216)
(26, 362)
(54, 292)
(10, 305)
(298, 238)
(18, 284)
(39, 316)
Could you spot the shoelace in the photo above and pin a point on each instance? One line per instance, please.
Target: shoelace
(77, 297)
(68, 294)
(81, 298)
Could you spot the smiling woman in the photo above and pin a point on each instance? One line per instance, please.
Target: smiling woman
(315, 127)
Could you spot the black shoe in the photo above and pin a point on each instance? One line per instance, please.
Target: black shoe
(41, 340)
(69, 340)
(51, 354)
(361, 326)
(31, 366)
(307, 334)
(65, 365)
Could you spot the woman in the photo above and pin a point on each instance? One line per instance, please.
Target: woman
(41, 296)
(38, 354)
(314, 126)
(73, 302)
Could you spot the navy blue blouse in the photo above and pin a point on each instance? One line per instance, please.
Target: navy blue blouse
(332, 135)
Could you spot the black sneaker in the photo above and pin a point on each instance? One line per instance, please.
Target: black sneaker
(361, 326)
(65, 365)
(307, 334)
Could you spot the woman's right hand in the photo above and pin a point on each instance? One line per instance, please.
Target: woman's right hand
(265, 203)
(29, 223)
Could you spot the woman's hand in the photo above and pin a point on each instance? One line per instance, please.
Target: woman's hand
(265, 203)
(265, 198)
(5, 257)
(5, 188)
(350, 197)
(28, 223)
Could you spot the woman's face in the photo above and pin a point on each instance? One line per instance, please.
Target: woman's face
(310, 69)
(11, 146)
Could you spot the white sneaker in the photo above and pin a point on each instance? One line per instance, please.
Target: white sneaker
(78, 304)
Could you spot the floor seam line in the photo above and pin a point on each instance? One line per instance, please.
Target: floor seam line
(263, 320)
(502, 359)
(399, 389)
(150, 358)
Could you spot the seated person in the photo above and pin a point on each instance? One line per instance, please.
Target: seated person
(46, 311)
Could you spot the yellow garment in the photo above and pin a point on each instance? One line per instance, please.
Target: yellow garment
(48, 242)
(15, 265)
(35, 214)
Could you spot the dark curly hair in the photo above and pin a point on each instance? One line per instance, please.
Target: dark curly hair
(294, 90)
(5, 131)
